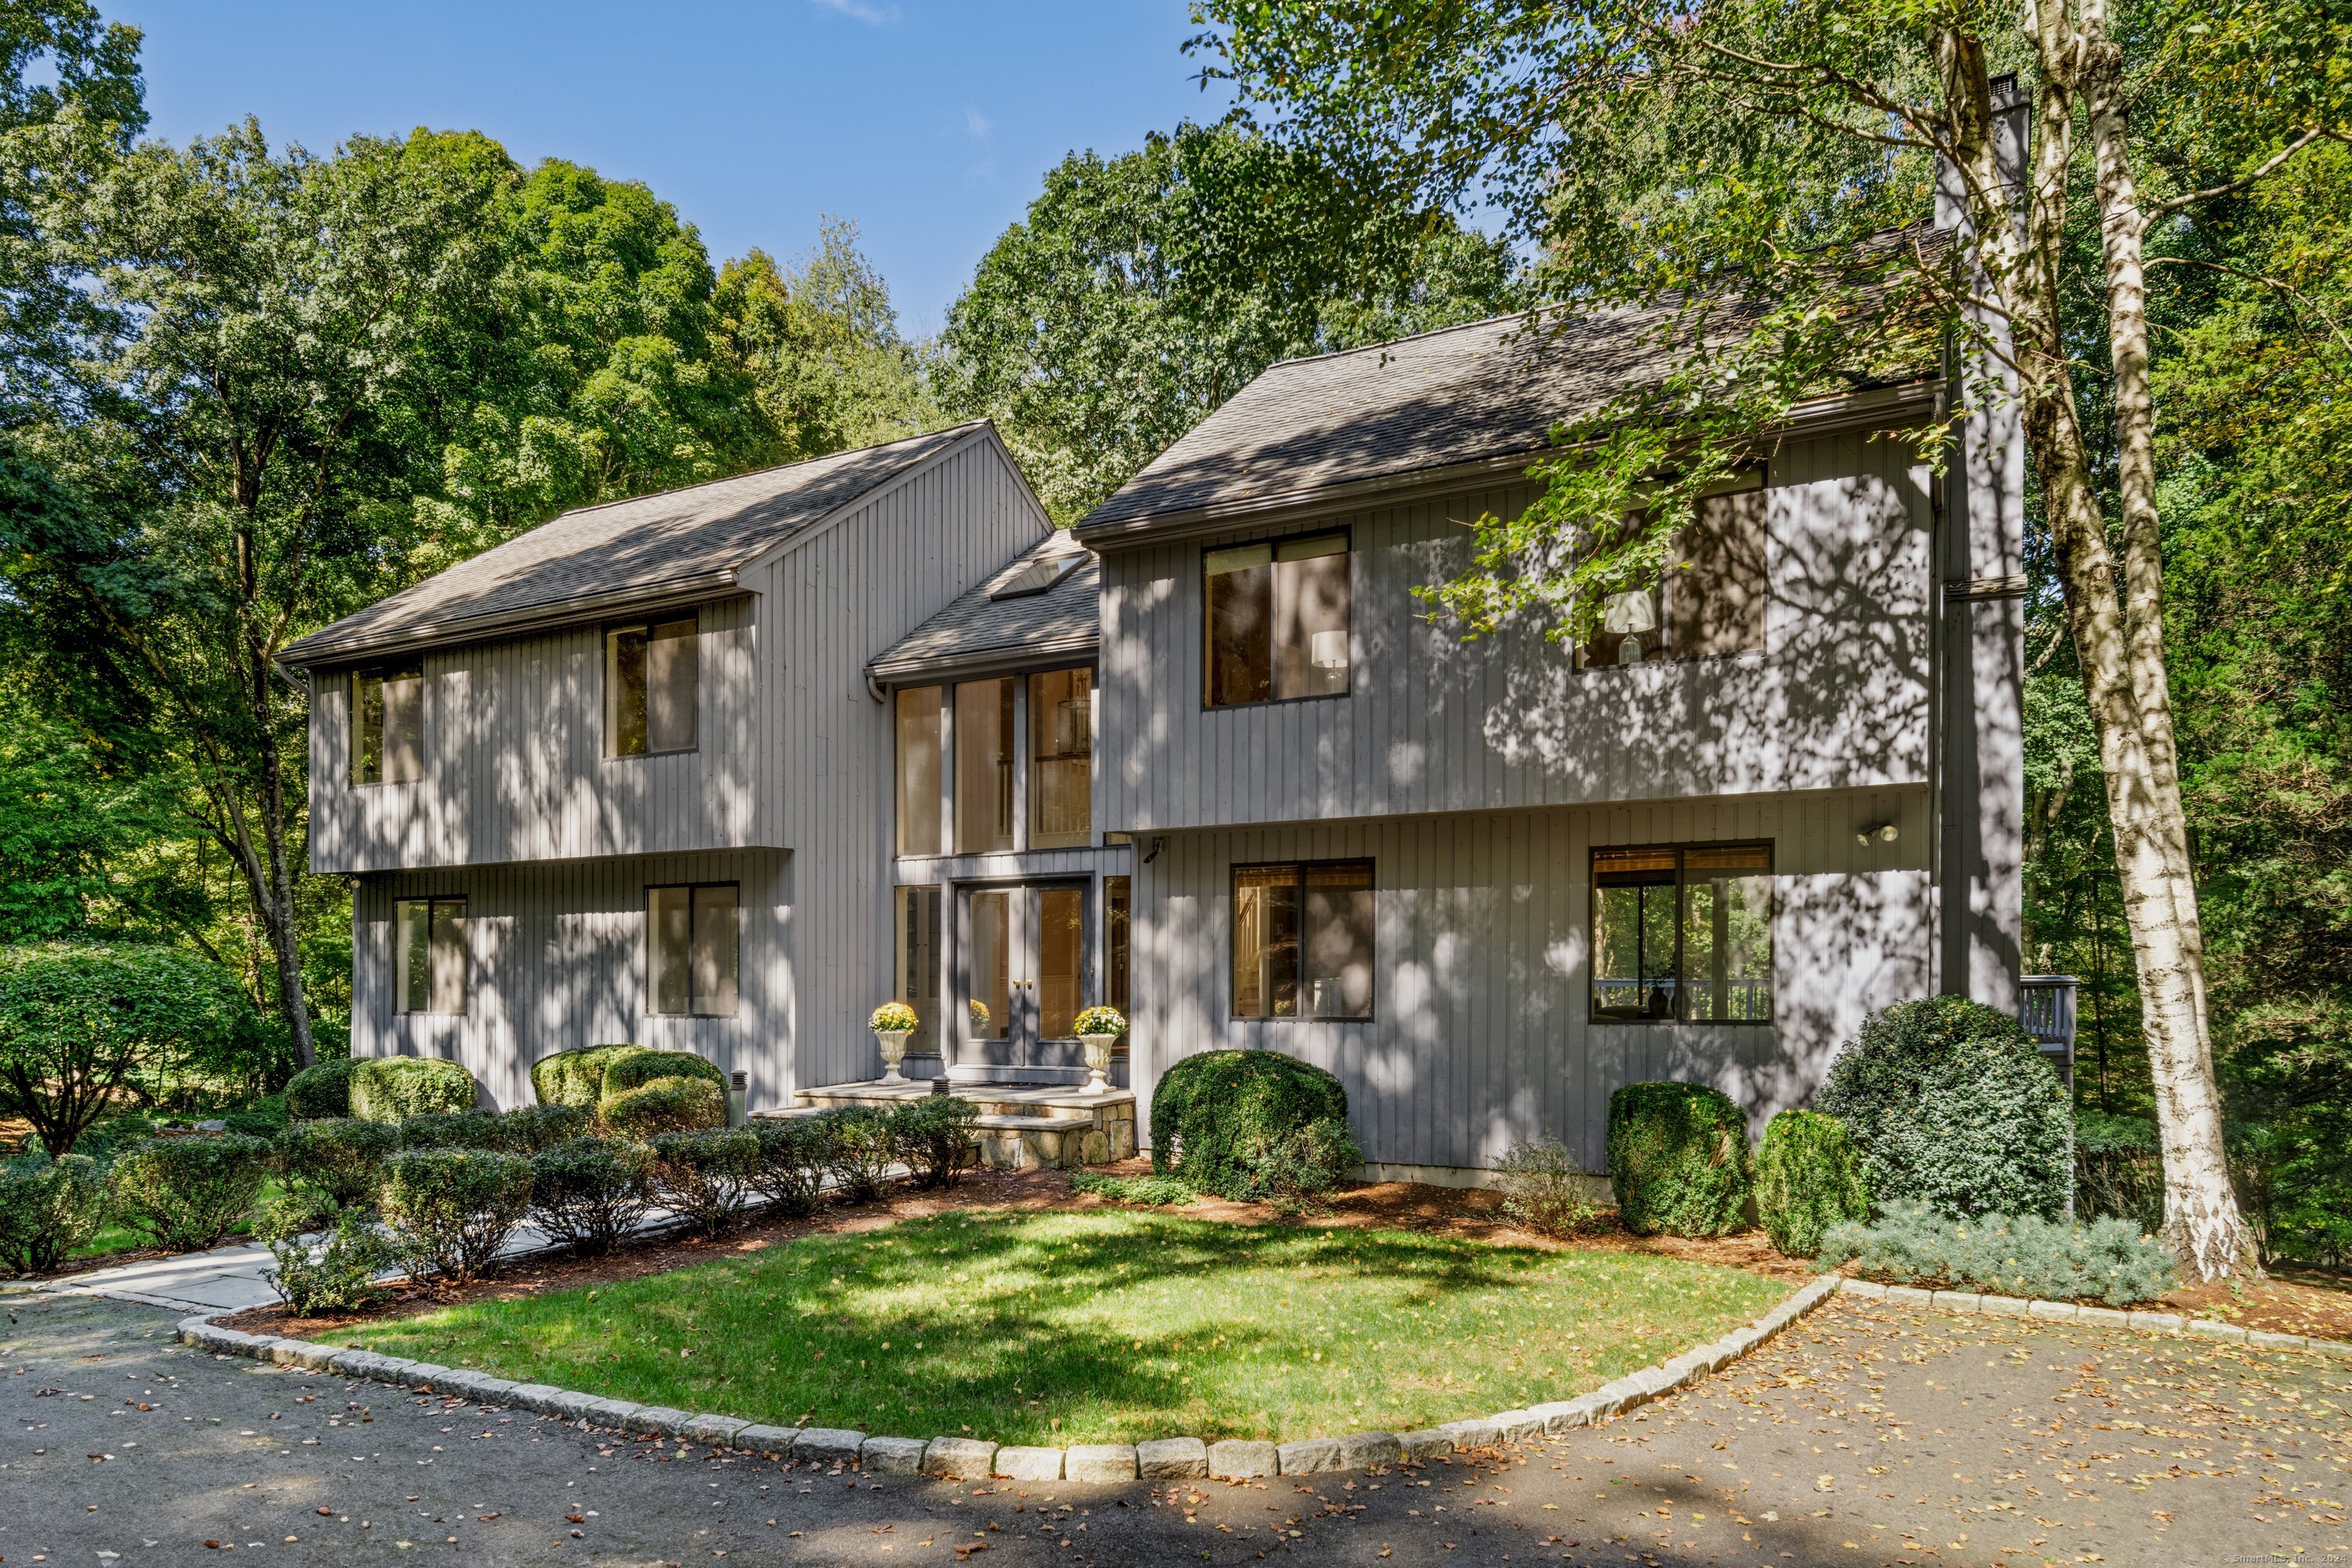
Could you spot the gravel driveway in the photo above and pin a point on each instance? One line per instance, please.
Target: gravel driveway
(1867, 1435)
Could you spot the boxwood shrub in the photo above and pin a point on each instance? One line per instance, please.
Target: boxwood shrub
(453, 1130)
(323, 1091)
(341, 1157)
(340, 1276)
(574, 1077)
(665, 1105)
(48, 1208)
(1251, 1125)
(935, 1137)
(2024, 1255)
(859, 1148)
(1953, 1105)
(795, 1153)
(188, 1193)
(1808, 1178)
(446, 1212)
(639, 1064)
(1677, 1159)
(589, 1193)
(388, 1089)
(705, 1175)
(527, 1128)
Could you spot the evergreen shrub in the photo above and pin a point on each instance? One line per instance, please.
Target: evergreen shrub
(1912, 1244)
(1677, 1159)
(48, 1208)
(453, 1130)
(859, 1148)
(795, 1153)
(1808, 1178)
(341, 1157)
(639, 1064)
(323, 1091)
(936, 1137)
(705, 1175)
(665, 1105)
(1544, 1190)
(574, 1077)
(590, 1193)
(188, 1193)
(339, 1277)
(389, 1089)
(1152, 1192)
(527, 1128)
(1250, 1124)
(446, 1212)
(1953, 1105)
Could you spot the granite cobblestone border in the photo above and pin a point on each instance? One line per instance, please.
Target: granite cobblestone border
(2073, 1311)
(972, 1459)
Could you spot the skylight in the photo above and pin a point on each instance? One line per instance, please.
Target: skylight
(1038, 576)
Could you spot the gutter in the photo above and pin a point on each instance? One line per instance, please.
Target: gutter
(1005, 659)
(310, 653)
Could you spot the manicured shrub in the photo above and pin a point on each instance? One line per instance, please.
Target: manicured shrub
(859, 1148)
(1953, 1105)
(795, 1153)
(48, 1208)
(339, 1276)
(340, 1157)
(705, 1175)
(936, 1137)
(392, 1088)
(453, 1130)
(590, 1193)
(1153, 1192)
(665, 1105)
(1808, 1178)
(446, 1212)
(1677, 1159)
(1910, 1243)
(188, 1193)
(323, 1091)
(527, 1128)
(639, 1065)
(1250, 1124)
(574, 1077)
(1544, 1190)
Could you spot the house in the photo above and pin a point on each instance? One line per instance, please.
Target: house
(721, 769)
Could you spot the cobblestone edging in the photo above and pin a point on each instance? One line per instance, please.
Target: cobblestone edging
(2069, 1312)
(1162, 1459)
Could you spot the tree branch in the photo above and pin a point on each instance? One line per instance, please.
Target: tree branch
(2163, 209)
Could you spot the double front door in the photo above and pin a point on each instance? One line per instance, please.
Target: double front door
(1024, 974)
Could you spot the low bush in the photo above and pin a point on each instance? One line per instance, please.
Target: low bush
(48, 1208)
(1953, 1105)
(639, 1065)
(188, 1193)
(1544, 1190)
(705, 1175)
(575, 1077)
(392, 1088)
(795, 1153)
(527, 1128)
(453, 1130)
(266, 1119)
(323, 1091)
(1250, 1124)
(2118, 1168)
(1911, 1243)
(1677, 1159)
(341, 1157)
(665, 1105)
(339, 1276)
(858, 1149)
(936, 1137)
(590, 1193)
(446, 1212)
(1152, 1192)
(1808, 1178)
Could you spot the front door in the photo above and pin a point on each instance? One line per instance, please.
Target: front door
(1024, 974)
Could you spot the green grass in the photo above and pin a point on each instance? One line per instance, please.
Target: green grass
(1103, 1326)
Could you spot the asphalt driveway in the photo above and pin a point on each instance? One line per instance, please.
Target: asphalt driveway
(1867, 1435)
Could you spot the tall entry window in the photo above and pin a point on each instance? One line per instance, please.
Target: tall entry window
(692, 950)
(919, 772)
(1278, 620)
(1117, 917)
(429, 955)
(1061, 759)
(1683, 933)
(1303, 941)
(917, 974)
(388, 724)
(984, 764)
(990, 1001)
(652, 673)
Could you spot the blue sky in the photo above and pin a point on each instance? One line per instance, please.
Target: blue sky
(930, 122)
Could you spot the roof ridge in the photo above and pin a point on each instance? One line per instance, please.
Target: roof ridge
(1414, 337)
(961, 426)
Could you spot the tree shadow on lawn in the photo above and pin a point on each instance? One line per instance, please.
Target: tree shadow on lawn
(1102, 1326)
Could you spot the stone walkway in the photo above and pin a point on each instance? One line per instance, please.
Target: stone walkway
(1868, 1434)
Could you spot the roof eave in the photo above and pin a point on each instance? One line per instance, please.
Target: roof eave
(311, 654)
(968, 664)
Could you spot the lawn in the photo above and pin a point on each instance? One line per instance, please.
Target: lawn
(1103, 1326)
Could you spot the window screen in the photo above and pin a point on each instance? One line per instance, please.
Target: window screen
(693, 947)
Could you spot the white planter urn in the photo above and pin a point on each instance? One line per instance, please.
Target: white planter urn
(1098, 1048)
(894, 1051)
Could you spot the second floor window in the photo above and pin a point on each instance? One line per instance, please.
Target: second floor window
(429, 955)
(919, 771)
(983, 766)
(651, 675)
(1303, 941)
(691, 950)
(1061, 759)
(388, 724)
(1709, 601)
(1683, 934)
(1277, 624)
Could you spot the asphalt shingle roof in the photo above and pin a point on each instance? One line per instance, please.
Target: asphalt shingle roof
(677, 541)
(980, 629)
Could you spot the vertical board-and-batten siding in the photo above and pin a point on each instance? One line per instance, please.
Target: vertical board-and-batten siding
(1481, 1037)
(1434, 722)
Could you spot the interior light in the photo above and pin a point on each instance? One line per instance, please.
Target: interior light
(1328, 650)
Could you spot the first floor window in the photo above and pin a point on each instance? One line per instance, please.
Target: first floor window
(1303, 941)
(692, 938)
(388, 724)
(652, 677)
(917, 966)
(1683, 933)
(429, 954)
(1117, 916)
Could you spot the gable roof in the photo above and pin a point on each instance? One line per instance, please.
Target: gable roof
(664, 548)
(999, 625)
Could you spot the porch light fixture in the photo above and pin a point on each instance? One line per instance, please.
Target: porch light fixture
(1885, 833)
(1329, 650)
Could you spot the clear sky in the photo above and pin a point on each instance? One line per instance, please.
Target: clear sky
(930, 122)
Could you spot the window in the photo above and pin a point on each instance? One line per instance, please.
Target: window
(692, 949)
(919, 772)
(983, 779)
(1683, 934)
(428, 959)
(1061, 759)
(388, 724)
(990, 1005)
(1303, 941)
(1710, 600)
(1061, 961)
(651, 675)
(1278, 620)
(917, 966)
(1118, 915)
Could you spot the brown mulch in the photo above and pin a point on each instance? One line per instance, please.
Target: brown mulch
(2293, 1301)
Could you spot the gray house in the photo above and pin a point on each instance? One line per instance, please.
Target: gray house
(723, 768)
